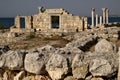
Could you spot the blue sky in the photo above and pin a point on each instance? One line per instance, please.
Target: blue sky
(11, 8)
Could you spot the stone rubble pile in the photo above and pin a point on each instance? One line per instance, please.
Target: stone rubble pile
(68, 63)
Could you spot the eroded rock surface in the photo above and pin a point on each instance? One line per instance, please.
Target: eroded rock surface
(79, 68)
(105, 46)
(57, 67)
(35, 63)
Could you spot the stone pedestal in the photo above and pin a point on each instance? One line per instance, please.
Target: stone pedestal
(93, 13)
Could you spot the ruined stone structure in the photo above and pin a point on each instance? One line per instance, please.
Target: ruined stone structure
(51, 20)
(102, 19)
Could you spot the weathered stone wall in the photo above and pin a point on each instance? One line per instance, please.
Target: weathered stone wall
(17, 21)
(68, 22)
(85, 22)
(28, 22)
(42, 21)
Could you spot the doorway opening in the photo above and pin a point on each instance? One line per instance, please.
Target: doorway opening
(55, 22)
(22, 22)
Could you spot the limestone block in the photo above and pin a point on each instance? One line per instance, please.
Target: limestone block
(14, 59)
(105, 46)
(100, 67)
(57, 67)
(35, 63)
(79, 68)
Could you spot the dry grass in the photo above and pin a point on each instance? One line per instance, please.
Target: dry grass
(39, 42)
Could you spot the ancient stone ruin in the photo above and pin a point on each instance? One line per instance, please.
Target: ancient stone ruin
(91, 52)
(103, 19)
(50, 20)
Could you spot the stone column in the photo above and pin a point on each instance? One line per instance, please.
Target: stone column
(107, 16)
(104, 14)
(93, 13)
(100, 20)
(96, 20)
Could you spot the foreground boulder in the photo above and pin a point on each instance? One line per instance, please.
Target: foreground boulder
(15, 59)
(100, 67)
(12, 60)
(57, 67)
(105, 46)
(79, 68)
(69, 53)
(35, 63)
(102, 64)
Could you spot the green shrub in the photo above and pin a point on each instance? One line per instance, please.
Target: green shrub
(31, 35)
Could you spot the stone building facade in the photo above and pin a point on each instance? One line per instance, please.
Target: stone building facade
(51, 20)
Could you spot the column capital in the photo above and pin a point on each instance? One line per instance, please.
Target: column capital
(104, 9)
(93, 9)
(97, 14)
(107, 10)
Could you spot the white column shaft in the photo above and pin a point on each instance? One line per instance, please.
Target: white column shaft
(107, 16)
(96, 19)
(100, 20)
(93, 13)
(104, 15)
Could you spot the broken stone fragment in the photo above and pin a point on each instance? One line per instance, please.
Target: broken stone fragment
(57, 67)
(79, 68)
(19, 76)
(15, 59)
(35, 63)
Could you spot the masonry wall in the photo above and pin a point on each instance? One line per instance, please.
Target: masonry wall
(17, 21)
(28, 22)
(42, 21)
